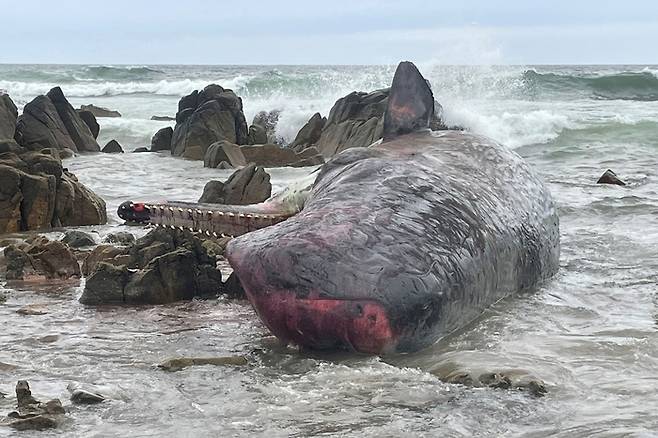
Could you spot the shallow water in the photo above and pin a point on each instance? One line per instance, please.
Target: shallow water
(591, 333)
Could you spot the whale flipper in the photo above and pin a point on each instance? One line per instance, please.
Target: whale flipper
(410, 102)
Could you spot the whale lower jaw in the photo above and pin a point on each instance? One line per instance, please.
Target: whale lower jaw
(317, 323)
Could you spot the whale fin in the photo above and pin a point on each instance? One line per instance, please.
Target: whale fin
(410, 102)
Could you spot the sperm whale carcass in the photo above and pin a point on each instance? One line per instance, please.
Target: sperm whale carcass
(393, 246)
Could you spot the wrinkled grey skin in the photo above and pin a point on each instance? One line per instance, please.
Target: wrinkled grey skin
(432, 226)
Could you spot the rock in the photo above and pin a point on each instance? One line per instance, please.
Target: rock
(104, 253)
(76, 205)
(161, 141)
(10, 145)
(193, 153)
(38, 204)
(141, 149)
(54, 259)
(272, 155)
(19, 263)
(206, 117)
(233, 288)
(24, 394)
(77, 129)
(163, 118)
(310, 133)
(120, 237)
(224, 166)
(90, 120)
(77, 239)
(224, 151)
(33, 310)
(10, 199)
(249, 185)
(609, 177)
(82, 397)
(268, 120)
(165, 266)
(8, 116)
(100, 111)
(180, 363)
(32, 414)
(112, 147)
(256, 135)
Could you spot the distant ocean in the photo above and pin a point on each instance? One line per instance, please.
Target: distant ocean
(591, 333)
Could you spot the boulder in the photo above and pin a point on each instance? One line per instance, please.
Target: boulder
(161, 141)
(272, 155)
(267, 120)
(256, 135)
(76, 205)
(249, 185)
(161, 267)
(10, 145)
(31, 414)
(610, 177)
(224, 151)
(99, 111)
(233, 288)
(110, 254)
(123, 238)
(10, 199)
(90, 120)
(8, 116)
(78, 239)
(19, 263)
(112, 147)
(310, 133)
(206, 117)
(163, 118)
(54, 259)
(38, 203)
(141, 149)
(77, 129)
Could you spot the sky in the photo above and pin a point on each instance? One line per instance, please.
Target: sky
(139, 32)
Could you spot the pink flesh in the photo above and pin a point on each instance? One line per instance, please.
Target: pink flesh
(360, 325)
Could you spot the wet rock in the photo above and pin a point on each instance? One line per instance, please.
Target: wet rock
(104, 253)
(224, 152)
(610, 177)
(161, 141)
(90, 120)
(53, 258)
(256, 135)
(165, 266)
(224, 166)
(76, 205)
(233, 288)
(33, 310)
(163, 118)
(141, 149)
(8, 116)
(112, 147)
(10, 145)
(24, 394)
(121, 238)
(76, 128)
(32, 414)
(206, 117)
(249, 185)
(310, 133)
(78, 239)
(6, 367)
(272, 155)
(19, 263)
(267, 120)
(177, 364)
(82, 397)
(99, 111)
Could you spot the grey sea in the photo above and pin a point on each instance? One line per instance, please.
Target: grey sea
(591, 333)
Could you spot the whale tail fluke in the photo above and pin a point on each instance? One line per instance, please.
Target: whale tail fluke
(410, 102)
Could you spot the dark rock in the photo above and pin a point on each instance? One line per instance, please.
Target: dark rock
(141, 149)
(100, 111)
(53, 258)
(249, 185)
(104, 253)
(272, 155)
(82, 397)
(76, 205)
(32, 414)
(10, 145)
(10, 199)
(233, 288)
(224, 151)
(179, 363)
(78, 239)
(609, 177)
(165, 266)
(163, 118)
(224, 166)
(310, 133)
(19, 263)
(256, 135)
(77, 129)
(8, 116)
(90, 120)
(112, 147)
(38, 204)
(40, 126)
(24, 394)
(161, 141)
(206, 117)
(121, 238)
(268, 121)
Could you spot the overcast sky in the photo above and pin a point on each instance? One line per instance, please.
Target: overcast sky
(329, 32)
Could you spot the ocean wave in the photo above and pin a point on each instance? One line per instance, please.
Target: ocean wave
(641, 86)
(118, 73)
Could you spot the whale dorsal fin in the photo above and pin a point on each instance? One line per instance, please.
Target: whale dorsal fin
(410, 102)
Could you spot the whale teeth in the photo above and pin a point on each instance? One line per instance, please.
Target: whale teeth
(199, 212)
(221, 213)
(171, 209)
(207, 233)
(214, 234)
(241, 215)
(231, 214)
(209, 213)
(162, 208)
(249, 216)
(172, 227)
